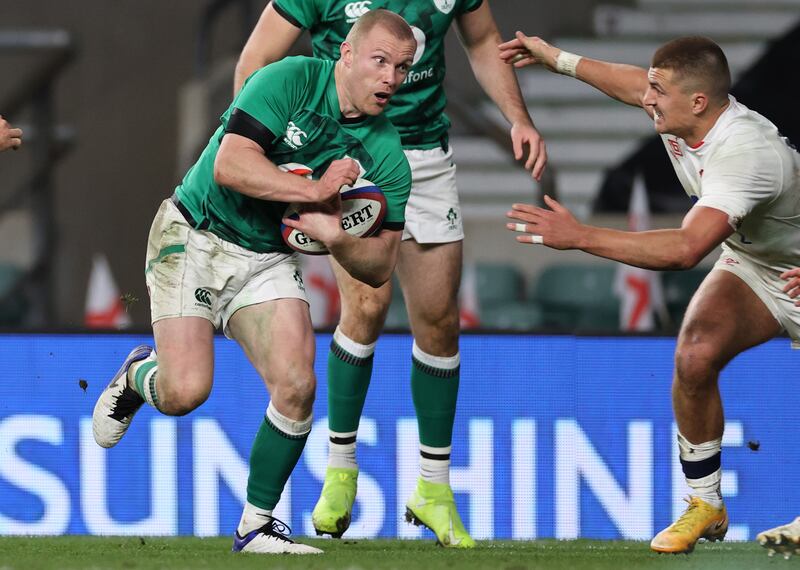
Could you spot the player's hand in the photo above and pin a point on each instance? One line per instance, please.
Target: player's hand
(9, 136)
(537, 153)
(556, 227)
(523, 51)
(321, 221)
(341, 172)
(793, 285)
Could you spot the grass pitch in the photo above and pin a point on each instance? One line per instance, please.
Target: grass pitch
(95, 553)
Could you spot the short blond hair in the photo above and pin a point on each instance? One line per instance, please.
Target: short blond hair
(393, 23)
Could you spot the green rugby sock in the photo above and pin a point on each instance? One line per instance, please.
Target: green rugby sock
(349, 374)
(144, 380)
(434, 388)
(276, 450)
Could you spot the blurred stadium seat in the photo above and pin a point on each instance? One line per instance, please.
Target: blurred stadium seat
(679, 286)
(517, 316)
(497, 283)
(577, 296)
(397, 317)
(13, 303)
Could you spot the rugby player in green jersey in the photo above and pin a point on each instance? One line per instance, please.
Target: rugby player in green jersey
(216, 257)
(429, 262)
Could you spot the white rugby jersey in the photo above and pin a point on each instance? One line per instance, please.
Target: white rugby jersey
(744, 168)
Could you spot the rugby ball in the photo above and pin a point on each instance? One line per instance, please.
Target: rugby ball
(363, 211)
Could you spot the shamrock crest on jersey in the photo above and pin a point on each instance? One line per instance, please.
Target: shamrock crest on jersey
(445, 6)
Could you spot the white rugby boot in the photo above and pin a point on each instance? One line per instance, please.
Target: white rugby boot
(272, 538)
(118, 403)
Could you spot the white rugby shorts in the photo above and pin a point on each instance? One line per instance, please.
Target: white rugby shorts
(433, 213)
(195, 273)
(768, 286)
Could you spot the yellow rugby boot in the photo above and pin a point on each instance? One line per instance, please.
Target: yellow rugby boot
(784, 539)
(699, 520)
(432, 505)
(331, 515)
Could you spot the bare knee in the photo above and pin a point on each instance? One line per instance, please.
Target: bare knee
(364, 312)
(294, 397)
(697, 362)
(436, 331)
(185, 394)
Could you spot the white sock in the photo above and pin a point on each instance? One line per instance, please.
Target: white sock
(253, 517)
(342, 450)
(442, 362)
(707, 485)
(708, 488)
(434, 464)
(355, 348)
(288, 425)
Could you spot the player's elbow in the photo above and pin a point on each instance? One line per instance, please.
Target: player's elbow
(244, 68)
(223, 170)
(251, 60)
(686, 257)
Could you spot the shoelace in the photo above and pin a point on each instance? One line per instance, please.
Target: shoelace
(277, 527)
(684, 521)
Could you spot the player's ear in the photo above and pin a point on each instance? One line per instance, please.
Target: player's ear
(346, 52)
(699, 103)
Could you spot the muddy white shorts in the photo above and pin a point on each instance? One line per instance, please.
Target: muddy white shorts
(767, 284)
(195, 273)
(433, 214)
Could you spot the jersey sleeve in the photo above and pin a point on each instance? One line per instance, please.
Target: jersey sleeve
(395, 181)
(742, 176)
(469, 6)
(264, 105)
(301, 13)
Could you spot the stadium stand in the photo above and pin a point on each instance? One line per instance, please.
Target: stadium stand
(498, 283)
(27, 205)
(573, 296)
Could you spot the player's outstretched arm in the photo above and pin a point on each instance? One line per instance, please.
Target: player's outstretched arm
(269, 41)
(479, 35)
(626, 83)
(792, 286)
(9, 136)
(702, 230)
(242, 166)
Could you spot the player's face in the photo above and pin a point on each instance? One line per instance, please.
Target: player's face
(671, 106)
(380, 63)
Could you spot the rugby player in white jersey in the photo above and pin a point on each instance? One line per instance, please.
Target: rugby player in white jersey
(744, 180)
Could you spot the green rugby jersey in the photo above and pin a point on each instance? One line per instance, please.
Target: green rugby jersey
(291, 109)
(417, 109)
